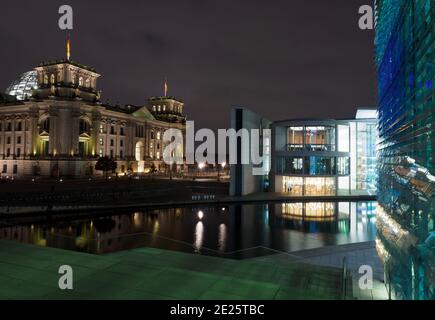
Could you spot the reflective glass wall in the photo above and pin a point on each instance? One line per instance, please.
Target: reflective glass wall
(405, 57)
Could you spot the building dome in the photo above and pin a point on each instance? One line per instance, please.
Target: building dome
(22, 87)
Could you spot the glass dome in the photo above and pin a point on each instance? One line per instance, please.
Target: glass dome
(23, 86)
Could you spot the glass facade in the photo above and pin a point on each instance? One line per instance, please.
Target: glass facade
(325, 157)
(22, 87)
(313, 165)
(405, 56)
(308, 186)
(311, 138)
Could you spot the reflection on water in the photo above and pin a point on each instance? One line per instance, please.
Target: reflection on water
(207, 230)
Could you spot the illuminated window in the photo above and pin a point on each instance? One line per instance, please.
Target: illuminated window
(45, 79)
(101, 152)
(164, 108)
(159, 108)
(158, 155)
(154, 108)
(320, 138)
(293, 185)
(158, 135)
(101, 141)
(81, 81)
(101, 128)
(295, 138)
(88, 83)
(52, 79)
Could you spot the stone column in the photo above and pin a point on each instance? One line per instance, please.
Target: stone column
(34, 131)
(75, 131)
(54, 115)
(95, 133)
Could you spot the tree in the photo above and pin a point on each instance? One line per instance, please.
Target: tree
(106, 164)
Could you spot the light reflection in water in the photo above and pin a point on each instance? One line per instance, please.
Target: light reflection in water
(199, 236)
(288, 227)
(222, 237)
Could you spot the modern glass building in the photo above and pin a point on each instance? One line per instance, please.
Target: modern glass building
(23, 86)
(405, 55)
(325, 157)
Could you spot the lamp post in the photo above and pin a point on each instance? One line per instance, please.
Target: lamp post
(223, 164)
(201, 166)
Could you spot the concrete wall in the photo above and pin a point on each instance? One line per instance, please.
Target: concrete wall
(243, 181)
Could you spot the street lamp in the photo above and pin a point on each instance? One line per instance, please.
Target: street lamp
(223, 164)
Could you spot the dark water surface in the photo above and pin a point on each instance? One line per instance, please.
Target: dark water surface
(232, 231)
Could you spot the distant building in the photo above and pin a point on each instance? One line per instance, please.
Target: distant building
(311, 157)
(325, 157)
(56, 125)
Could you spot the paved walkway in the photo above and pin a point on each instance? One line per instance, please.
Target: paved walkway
(31, 272)
(356, 255)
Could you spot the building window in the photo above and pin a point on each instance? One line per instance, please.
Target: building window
(343, 166)
(158, 135)
(84, 127)
(19, 126)
(152, 134)
(159, 108)
(121, 131)
(112, 130)
(293, 185)
(9, 128)
(111, 154)
(8, 140)
(15, 169)
(121, 154)
(320, 138)
(52, 79)
(158, 155)
(164, 107)
(101, 141)
(101, 153)
(154, 108)
(19, 140)
(101, 128)
(319, 166)
(45, 79)
(88, 83)
(81, 81)
(5, 168)
(8, 152)
(112, 143)
(121, 143)
(18, 152)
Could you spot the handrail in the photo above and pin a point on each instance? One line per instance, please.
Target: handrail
(344, 279)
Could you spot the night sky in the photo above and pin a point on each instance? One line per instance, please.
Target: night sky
(281, 58)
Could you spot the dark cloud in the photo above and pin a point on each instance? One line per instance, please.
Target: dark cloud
(281, 58)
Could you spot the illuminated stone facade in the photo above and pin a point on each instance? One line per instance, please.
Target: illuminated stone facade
(63, 128)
